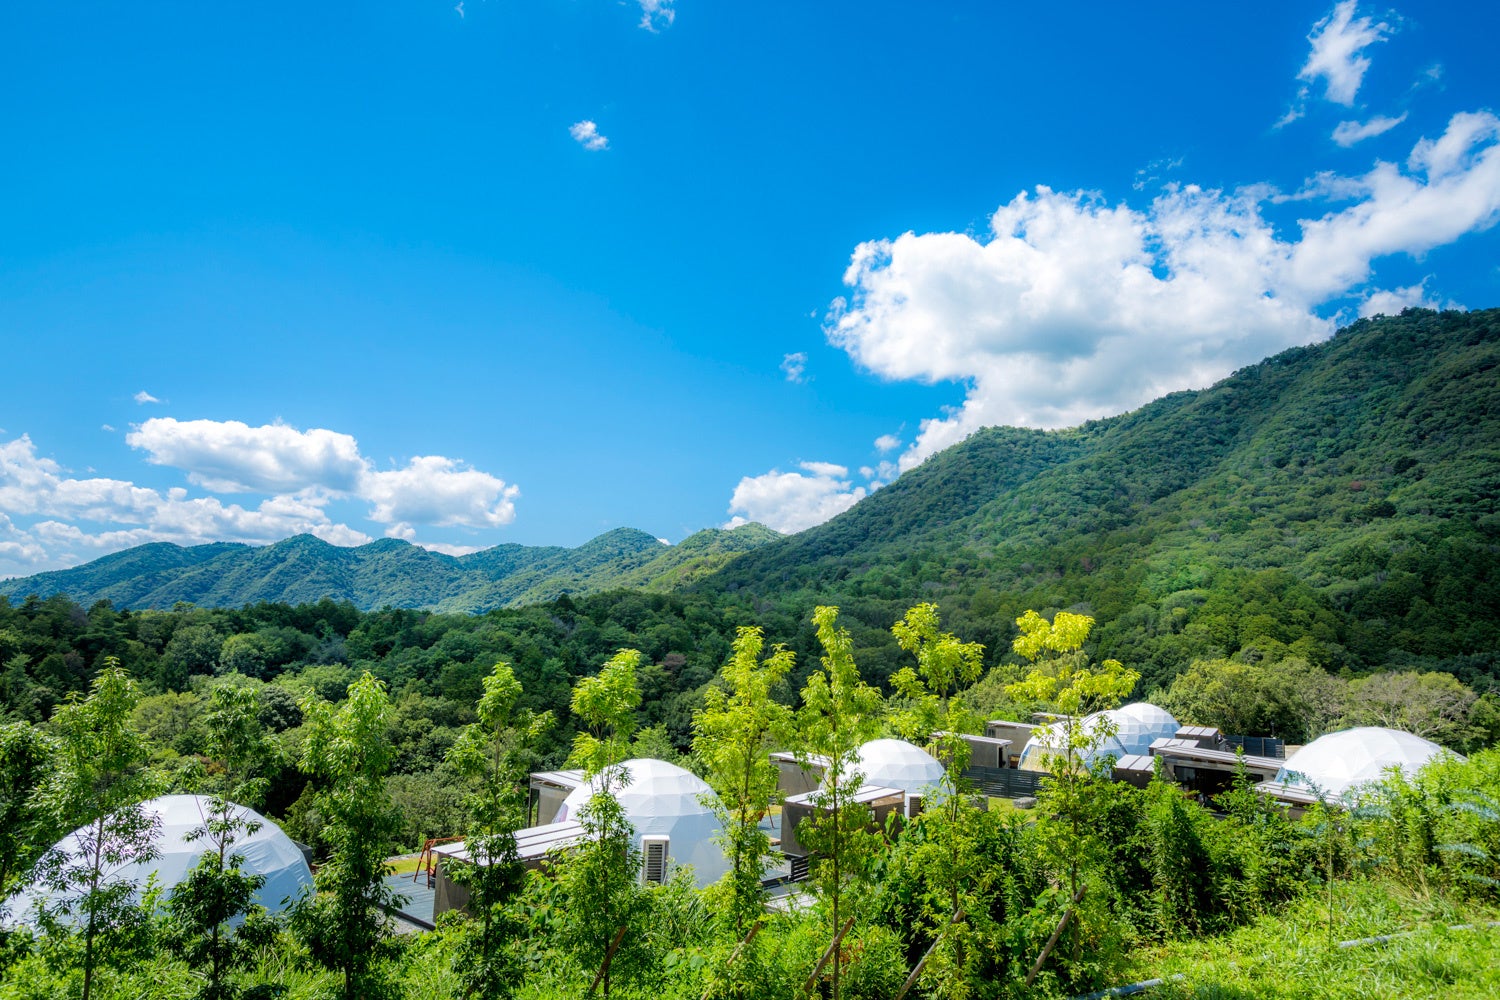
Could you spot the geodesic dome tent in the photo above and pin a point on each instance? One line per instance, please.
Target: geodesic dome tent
(268, 851)
(1052, 740)
(664, 800)
(1140, 724)
(1337, 764)
(899, 764)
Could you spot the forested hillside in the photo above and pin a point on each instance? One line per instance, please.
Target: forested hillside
(388, 572)
(1336, 502)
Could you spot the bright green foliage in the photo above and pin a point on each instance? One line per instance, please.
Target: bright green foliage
(606, 702)
(1289, 698)
(216, 891)
(839, 713)
(598, 879)
(944, 665)
(346, 750)
(949, 840)
(101, 781)
(495, 754)
(238, 741)
(1062, 675)
(1074, 797)
(26, 760)
(739, 725)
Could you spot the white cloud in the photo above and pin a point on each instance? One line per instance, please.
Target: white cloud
(1391, 302)
(439, 491)
(657, 14)
(232, 457)
(1073, 308)
(794, 365)
(303, 470)
(108, 428)
(144, 397)
(1347, 134)
(887, 442)
(1337, 57)
(793, 501)
(586, 134)
(126, 515)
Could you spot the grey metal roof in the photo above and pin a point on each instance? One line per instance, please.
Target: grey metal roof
(868, 794)
(559, 779)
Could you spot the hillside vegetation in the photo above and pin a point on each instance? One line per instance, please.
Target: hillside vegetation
(304, 569)
(1336, 502)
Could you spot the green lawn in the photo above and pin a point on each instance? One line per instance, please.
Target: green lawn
(1288, 955)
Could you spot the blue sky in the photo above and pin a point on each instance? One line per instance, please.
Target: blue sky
(525, 272)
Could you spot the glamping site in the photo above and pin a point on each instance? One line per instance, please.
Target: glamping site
(672, 500)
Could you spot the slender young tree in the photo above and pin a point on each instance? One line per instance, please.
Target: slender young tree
(599, 879)
(218, 889)
(947, 831)
(838, 714)
(495, 754)
(102, 780)
(1063, 676)
(734, 732)
(347, 750)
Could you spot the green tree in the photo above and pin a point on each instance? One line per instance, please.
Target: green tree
(346, 750)
(27, 757)
(948, 841)
(839, 713)
(1063, 676)
(599, 878)
(101, 780)
(496, 754)
(1434, 706)
(218, 890)
(735, 731)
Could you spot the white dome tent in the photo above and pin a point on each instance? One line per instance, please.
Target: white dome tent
(664, 800)
(1339, 763)
(899, 764)
(268, 851)
(1052, 740)
(1140, 724)
(1136, 726)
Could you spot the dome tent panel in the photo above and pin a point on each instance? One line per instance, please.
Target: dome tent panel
(1052, 740)
(1140, 724)
(1339, 763)
(267, 851)
(899, 764)
(662, 799)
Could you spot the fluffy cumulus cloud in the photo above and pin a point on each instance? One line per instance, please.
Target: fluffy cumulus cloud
(792, 501)
(439, 491)
(1072, 307)
(1337, 57)
(1348, 133)
(38, 488)
(227, 456)
(587, 135)
(49, 518)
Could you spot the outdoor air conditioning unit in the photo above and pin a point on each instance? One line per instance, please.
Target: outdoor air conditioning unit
(654, 864)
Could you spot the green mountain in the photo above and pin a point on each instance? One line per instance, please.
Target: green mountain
(305, 569)
(1336, 502)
